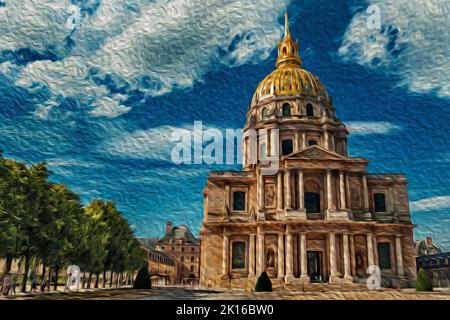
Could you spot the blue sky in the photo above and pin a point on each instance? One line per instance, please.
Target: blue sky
(99, 98)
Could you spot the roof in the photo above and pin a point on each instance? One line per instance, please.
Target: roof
(181, 232)
(424, 249)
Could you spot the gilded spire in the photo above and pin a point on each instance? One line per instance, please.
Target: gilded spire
(287, 34)
(288, 48)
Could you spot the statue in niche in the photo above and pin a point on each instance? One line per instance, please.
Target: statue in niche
(270, 259)
(270, 195)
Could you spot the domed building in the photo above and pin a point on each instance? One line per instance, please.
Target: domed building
(302, 209)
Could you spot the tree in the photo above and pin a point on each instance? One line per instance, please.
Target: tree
(143, 279)
(263, 284)
(423, 282)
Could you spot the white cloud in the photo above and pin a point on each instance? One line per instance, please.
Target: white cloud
(432, 203)
(157, 143)
(109, 107)
(364, 128)
(34, 24)
(151, 46)
(412, 45)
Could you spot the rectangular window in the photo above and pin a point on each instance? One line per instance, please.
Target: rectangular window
(379, 200)
(239, 201)
(286, 147)
(263, 151)
(312, 142)
(384, 255)
(238, 255)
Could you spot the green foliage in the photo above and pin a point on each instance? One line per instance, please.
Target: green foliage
(263, 284)
(45, 223)
(423, 282)
(143, 279)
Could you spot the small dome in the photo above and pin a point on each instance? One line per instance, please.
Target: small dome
(289, 78)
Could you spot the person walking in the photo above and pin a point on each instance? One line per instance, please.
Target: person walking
(14, 284)
(6, 284)
(34, 283)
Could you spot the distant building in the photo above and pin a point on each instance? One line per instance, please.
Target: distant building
(180, 243)
(164, 269)
(426, 247)
(434, 261)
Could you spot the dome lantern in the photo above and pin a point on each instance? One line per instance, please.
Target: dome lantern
(287, 48)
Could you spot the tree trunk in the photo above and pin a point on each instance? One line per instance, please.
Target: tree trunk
(50, 272)
(83, 280)
(8, 264)
(55, 286)
(120, 279)
(116, 279)
(104, 278)
(25, 274)
(44, 271)
(96, 280)
(89, 280)
(111, 278)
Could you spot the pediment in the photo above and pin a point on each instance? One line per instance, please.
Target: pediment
(316, 153)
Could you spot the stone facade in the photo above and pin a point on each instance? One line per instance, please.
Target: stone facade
(180, 243)
(163, 268)
(321, 217)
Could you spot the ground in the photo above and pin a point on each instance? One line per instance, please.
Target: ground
(197, 294)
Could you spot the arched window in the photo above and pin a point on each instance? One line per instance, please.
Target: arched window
(192, 268)
(182, 249)
(309, 110)
(182, 259)
(192, 249)
(265, 113)
(286, 109)
(286, 147)
(173, 248)
(192, 259)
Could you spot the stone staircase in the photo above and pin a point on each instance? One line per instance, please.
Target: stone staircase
(323, 287)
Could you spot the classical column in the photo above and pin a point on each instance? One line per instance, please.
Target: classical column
(352, 255)
(280, 256)
(398, 253)
(287, 189)
(342, 190)
(301, 191)
(370, 257)
(297, 141)
(260, 188)
(251, 256)
(333, 264)
(326, 138)
(365, 192)
(274, 147)
(303, 259)
(280, 191)
(304, 142)
(375, 249)
(329, 191)
(227, 201)
(244, 147)
(346, 249)
(225, 255)
(260, 253)
(289, 257)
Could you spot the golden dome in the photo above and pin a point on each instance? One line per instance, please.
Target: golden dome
(289, 78)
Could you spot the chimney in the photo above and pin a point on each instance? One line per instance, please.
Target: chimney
(429, 241)
(168, 226)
